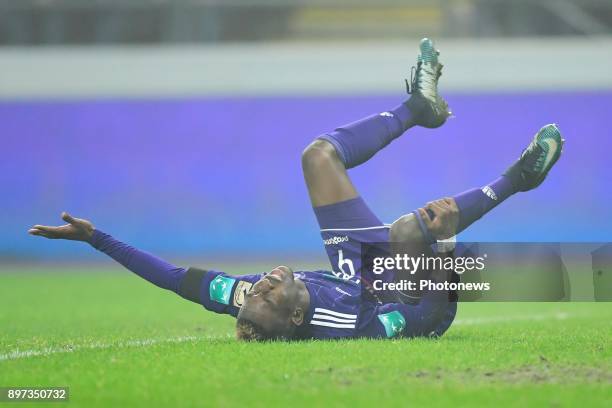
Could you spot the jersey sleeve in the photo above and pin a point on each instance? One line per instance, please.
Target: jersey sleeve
(406, 320)
(216, 291)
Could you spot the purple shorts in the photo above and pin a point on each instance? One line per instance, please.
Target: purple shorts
(345, 226)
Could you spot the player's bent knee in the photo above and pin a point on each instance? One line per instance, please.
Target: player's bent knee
(317, 154)
(406, 229)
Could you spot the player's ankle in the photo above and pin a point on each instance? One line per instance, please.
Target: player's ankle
(417, 107)
(514, 174)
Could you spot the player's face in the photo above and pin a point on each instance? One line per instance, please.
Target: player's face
(271, 301)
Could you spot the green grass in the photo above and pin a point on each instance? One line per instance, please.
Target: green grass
(554, 354)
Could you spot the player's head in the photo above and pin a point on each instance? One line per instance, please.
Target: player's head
(273, 308)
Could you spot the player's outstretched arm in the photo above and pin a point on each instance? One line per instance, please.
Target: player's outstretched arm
(145, 265)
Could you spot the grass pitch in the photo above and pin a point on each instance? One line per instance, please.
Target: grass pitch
(116, 340)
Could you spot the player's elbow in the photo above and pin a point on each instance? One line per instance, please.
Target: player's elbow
(317, 154)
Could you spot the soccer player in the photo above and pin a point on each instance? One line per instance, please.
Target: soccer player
(283, 304)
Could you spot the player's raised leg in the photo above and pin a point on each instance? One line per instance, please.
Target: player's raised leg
(325, 161)
(358, 141)
(444, 218)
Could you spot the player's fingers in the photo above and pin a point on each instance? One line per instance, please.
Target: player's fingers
(48, 231)
(41, 227)
(68, 218)
(451, 203)
(38, 232)
(441, 202)
(449, 208)
(442, 206)
(433, 207)
(439, 210)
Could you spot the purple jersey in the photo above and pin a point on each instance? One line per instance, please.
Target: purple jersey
(338, 308)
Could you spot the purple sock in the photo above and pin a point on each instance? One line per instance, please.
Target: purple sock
(476, 202)
(356, 142)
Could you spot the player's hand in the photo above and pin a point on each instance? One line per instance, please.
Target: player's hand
(77, 229)
(445, 218)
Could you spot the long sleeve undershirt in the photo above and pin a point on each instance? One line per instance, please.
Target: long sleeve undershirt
(145, 265)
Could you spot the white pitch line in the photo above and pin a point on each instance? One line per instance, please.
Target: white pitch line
(18, 354)
(500, 319)
(47, 351)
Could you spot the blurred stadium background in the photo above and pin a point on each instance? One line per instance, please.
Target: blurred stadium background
(178, 125)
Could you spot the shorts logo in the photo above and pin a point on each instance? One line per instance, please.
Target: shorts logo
(387, 114)
(489, 192)
(242, 289)
(336, 240)
(346, 268)
(220, 289)
(393, 322)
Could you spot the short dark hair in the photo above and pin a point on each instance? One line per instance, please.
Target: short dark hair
(247, 330)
